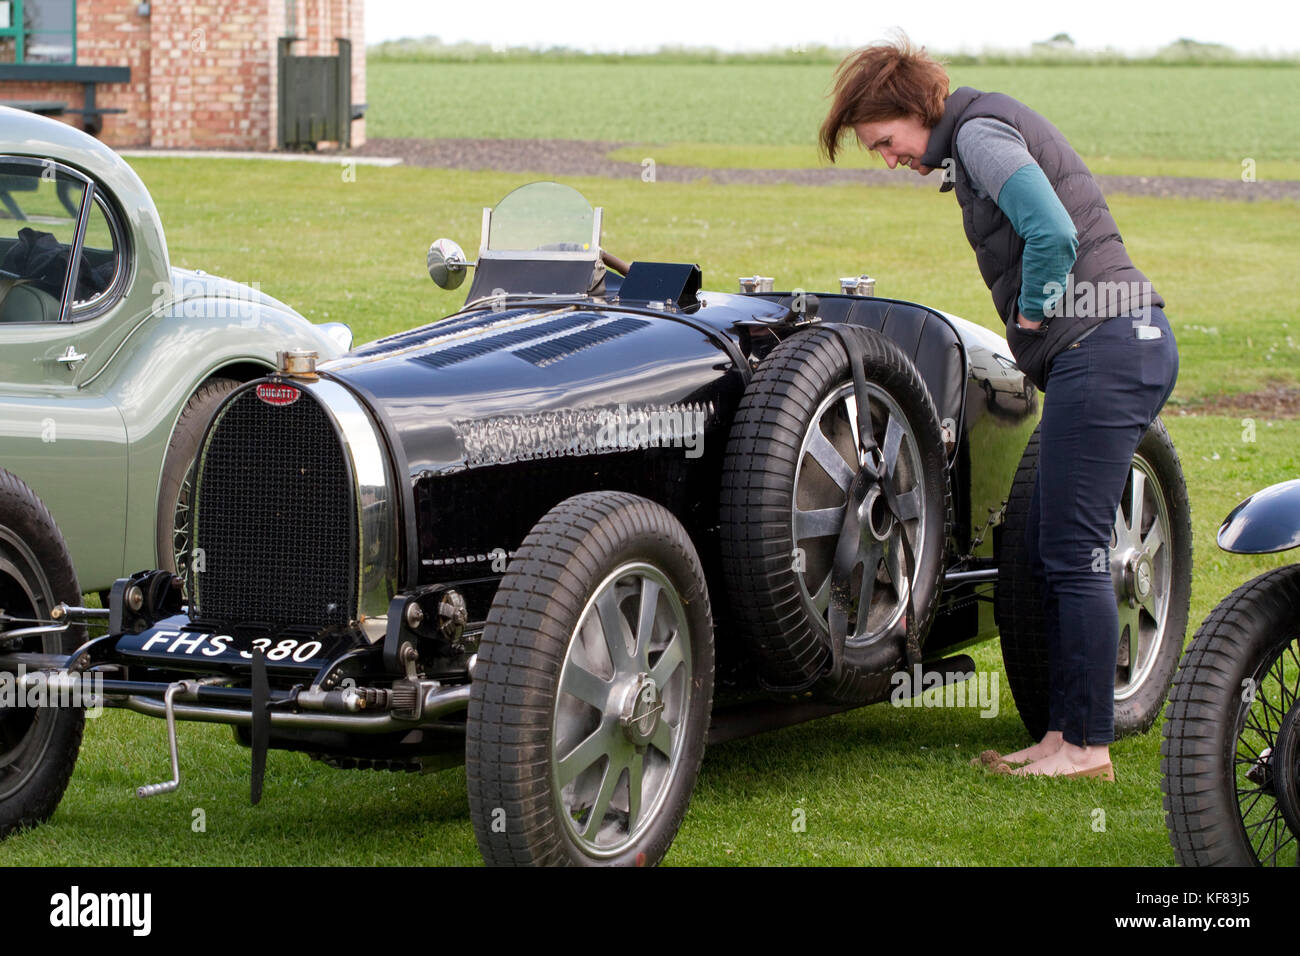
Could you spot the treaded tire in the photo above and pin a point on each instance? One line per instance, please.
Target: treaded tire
(546, 624)
(1019, 599)
(1234, 649)
(38, 746)
(769, 583)
(173, 536)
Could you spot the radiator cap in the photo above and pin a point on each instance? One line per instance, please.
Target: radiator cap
(298, 363)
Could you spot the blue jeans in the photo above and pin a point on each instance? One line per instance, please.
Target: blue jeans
(1102, 394)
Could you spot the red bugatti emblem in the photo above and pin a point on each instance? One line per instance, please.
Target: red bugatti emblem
(277, 394)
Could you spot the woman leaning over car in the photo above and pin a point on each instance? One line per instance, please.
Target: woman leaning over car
(1077, 312)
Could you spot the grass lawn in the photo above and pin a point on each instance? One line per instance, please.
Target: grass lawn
(879, 785)
(1140, 119)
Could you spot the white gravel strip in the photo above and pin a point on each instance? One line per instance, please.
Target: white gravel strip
(336, 159)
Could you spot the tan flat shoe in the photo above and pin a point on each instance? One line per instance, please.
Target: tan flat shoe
(1105, 772)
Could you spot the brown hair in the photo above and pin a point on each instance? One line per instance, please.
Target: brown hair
(882, 82)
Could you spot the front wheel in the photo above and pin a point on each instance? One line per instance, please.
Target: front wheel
(174, 494)
(1231, 750)
(592, 690)
(38, 745)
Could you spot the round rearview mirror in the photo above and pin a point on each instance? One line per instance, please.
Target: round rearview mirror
(446, 263)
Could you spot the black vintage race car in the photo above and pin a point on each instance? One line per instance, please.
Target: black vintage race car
(570, 534)
(1231, 744)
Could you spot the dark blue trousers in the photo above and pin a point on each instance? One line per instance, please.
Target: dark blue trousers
(1102, 394)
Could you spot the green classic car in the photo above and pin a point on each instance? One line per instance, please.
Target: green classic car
(110, 370)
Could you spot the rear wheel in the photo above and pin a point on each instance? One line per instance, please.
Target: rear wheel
(792, 456)
(1232, 735)
(38, 745)
(592, 690)
(1150, 562)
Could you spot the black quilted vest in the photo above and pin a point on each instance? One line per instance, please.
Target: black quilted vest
(1103, 282)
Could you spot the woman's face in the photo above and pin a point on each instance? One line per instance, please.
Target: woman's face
(898, 141)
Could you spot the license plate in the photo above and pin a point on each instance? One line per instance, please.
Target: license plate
(188, 649)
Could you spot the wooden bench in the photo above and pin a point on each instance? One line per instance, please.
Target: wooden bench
(92, 117)
(44, 107)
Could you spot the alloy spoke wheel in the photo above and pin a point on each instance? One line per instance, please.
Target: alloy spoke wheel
(1141, 568)
(829, 458)
(621, 710)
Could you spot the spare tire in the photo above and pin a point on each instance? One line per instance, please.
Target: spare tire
(791, 457)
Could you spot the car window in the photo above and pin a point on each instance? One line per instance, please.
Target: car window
(99, 258)
(39, 206)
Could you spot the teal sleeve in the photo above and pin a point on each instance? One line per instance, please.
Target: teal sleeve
(1037, 215)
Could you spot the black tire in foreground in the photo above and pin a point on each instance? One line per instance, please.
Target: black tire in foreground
(1231, 749)
(591, 695)
(1150, 564)
(791, 457)
(38, 746)
(173, 529)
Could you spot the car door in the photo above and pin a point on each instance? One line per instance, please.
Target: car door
(67, 442)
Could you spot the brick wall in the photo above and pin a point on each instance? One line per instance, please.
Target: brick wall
(203, 74)
(109, 33)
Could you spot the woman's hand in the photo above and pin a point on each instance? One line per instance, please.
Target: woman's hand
(1024, 323)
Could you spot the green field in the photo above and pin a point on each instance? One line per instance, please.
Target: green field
(880, 785)
(1226, 270)
(1140, 119)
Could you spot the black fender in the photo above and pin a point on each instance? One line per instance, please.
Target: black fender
(1267, 521)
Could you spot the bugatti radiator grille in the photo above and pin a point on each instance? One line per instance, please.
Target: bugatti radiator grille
(275, 518)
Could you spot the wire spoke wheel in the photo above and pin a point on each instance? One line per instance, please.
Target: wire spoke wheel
(175, 495)
(1231, 743)
(181, 530)
(1266, 760)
